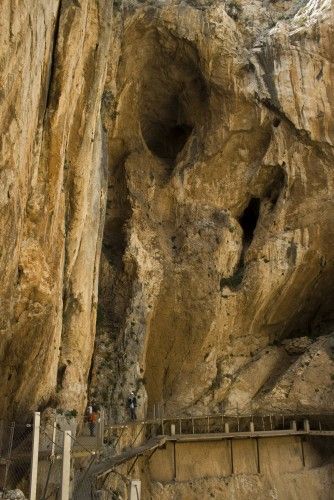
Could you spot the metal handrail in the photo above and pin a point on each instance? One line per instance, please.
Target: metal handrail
(286, 419)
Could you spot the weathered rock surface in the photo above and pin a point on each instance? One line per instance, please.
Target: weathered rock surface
(218, 259)
(204, 131)
(191, 141)
(53, 178)
(316, 483)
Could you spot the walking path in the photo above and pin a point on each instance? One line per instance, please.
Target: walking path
(171, 430)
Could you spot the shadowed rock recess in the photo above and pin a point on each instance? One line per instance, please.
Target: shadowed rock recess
(167, 205)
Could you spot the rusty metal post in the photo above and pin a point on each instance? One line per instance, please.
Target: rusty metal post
(232, 460)
(258, 456)
(302, 450)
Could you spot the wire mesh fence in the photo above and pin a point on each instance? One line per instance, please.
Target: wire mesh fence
(91, 447)
(15, 457)
(16, 450)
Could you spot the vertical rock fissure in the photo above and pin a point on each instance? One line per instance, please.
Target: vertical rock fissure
(248, 222)
(115, 287)
(51, 79)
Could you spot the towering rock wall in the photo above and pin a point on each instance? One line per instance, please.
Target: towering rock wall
(217, 268)
(205, 131)
(53, 180)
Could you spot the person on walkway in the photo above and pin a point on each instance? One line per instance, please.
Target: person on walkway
(92, 419)
(89, 409)
(132, 405)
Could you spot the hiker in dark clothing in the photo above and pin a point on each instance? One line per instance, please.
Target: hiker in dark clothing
(132, 405)
(92, 419)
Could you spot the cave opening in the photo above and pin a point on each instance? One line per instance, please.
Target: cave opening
(248, 222)
(173, 102)
(166, 134)
(249, 218)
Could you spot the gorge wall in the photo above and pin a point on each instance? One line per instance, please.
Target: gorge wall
(217, 263)
(191, 142)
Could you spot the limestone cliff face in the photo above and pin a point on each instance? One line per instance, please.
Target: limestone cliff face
(204, 131)
(53, 179)
(217, 243)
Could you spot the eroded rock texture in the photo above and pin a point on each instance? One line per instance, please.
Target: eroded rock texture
(218, 237)
(193, 141)
(53, 178)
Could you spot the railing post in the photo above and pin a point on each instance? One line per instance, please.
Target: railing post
(34, 456)
(293, 425)
(238, 423)
(306, 425)
(66, 470)
(227, 427)
(9, 453)
(135, 489)
(251, 426)
(54, 436)
(100, 430)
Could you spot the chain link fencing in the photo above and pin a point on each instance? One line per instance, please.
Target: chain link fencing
(15, 457)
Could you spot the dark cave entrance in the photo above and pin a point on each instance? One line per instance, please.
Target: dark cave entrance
(167, 136)
(249, 219)
(173, 103)
(248, 222)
